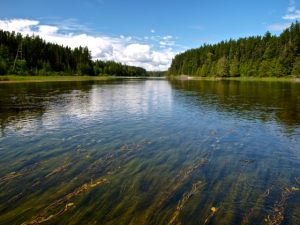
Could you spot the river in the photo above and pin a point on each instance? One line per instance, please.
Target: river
(150, 152)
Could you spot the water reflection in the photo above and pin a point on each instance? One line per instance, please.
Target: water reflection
(22, 104)
(28, 106)
(266, 101)
(150, 152)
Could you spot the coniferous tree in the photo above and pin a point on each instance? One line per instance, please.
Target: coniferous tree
(268, 55)
(234, 68)
(296, 67)
(35, 56)
(223, 67)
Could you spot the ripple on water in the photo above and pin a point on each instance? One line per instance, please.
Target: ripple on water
(150, 152)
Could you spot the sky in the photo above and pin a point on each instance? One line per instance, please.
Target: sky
(146, 33)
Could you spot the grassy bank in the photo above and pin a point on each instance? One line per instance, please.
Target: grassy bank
(269, 79)
(15, 78)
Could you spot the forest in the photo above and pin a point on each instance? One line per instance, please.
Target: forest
(257, 56)
(31, 55)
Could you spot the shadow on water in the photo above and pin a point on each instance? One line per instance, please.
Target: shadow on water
(249, 99)
(150, 152)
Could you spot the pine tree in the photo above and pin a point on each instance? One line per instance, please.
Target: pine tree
(223, 67)
(268, 55)
(234, 68)
(296, 67)
(3, 66)
(39, 57)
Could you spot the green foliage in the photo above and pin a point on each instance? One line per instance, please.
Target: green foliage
(296, 67)
(4, 55)
(20, 67)
(261, 56)
(3, 67)
(265, 68)
(234, 68)
(40, 58)
(117, 69)
(222, 67)
(156, 73)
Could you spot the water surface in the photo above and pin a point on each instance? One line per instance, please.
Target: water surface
(150, 152)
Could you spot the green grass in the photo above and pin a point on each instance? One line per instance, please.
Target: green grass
(288, 78)
(271, 79)
(18, 78)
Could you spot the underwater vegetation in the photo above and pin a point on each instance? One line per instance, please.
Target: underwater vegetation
(150, 152)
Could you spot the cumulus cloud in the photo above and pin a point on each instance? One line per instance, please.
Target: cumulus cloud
(19, 25)
(292, 12)
(45, 29)
(127, 50)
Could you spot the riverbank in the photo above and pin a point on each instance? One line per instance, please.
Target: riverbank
(287, 79)
(15, 78)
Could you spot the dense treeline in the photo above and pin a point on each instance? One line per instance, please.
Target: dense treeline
(254, 56)
(118, 69)
(157, 73)
(31, 55)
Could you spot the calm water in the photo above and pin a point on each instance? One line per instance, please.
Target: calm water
(150, 152)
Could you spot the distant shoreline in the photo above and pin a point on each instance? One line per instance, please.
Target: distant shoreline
(36, 79)
(187, 77)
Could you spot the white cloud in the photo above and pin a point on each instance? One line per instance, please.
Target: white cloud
(169, 37)
(19, 25)
(122, 49)
(163, 41)
(45, 29)
(138, 52)
(292, 12)
(152, 31)
(166, 43)
(293, 15)
(278, 26)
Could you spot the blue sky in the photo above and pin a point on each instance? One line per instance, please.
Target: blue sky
(145, 33)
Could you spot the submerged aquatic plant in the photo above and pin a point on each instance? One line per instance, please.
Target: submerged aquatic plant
(175, 184)
(213, 211)
(54, 210)
(195, 189)
(277, 215)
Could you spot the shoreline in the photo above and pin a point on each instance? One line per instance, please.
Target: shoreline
(187, 78)
(36, 79)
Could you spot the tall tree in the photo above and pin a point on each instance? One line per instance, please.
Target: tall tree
(296, 67)
(266, 55)
(35, 56)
